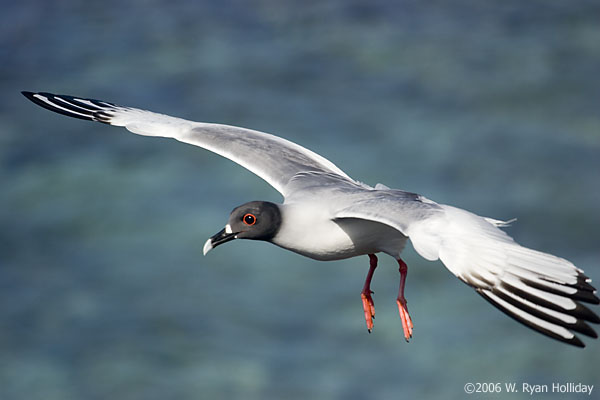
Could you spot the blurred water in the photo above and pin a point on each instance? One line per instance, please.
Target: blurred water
(104, 290)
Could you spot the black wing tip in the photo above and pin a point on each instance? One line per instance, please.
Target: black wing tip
(67, 106)
(29, 95)
(583, 295)
(573, 341)
(580, 311)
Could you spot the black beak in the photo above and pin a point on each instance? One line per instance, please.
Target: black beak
(222, 237)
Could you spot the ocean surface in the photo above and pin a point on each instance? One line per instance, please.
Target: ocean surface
(104, 292)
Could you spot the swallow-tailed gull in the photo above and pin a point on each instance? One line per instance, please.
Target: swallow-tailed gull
(326, 215)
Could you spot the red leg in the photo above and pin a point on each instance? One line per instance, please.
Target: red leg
(365, 295)
(407, 324)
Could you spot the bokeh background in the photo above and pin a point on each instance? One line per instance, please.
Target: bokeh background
(104, 292)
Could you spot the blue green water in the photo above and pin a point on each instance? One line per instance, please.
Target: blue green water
(104, 292)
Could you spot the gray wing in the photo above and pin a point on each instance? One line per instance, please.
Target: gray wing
(399, 209)
(272, 158)
(542, 291)
(352, 199)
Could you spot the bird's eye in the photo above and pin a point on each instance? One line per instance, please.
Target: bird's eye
(249, 219)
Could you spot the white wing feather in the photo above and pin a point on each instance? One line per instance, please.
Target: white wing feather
(274, 159)
(538, 289)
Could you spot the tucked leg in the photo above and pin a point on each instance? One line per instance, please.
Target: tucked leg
(365, 295)
(407, 324)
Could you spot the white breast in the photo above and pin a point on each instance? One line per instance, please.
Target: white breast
(311, 232)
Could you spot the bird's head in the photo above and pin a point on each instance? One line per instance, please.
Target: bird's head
(256, 220)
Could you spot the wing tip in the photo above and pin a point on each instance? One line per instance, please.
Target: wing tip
(61, 104)
(28, 94)
(572, 340)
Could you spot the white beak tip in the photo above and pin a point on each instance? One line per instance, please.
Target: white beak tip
(207, 246)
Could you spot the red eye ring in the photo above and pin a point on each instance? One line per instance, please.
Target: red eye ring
(249, 219)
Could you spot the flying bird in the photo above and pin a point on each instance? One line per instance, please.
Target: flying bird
(327, 215)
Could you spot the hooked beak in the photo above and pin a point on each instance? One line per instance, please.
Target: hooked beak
(224, 235)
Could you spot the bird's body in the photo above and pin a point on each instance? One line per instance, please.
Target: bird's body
(326, 215)
(316, 235)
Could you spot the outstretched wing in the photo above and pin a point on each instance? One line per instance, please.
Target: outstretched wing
(542, 291)
(272, 158)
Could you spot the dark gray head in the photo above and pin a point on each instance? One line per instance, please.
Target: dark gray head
(257, 220)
